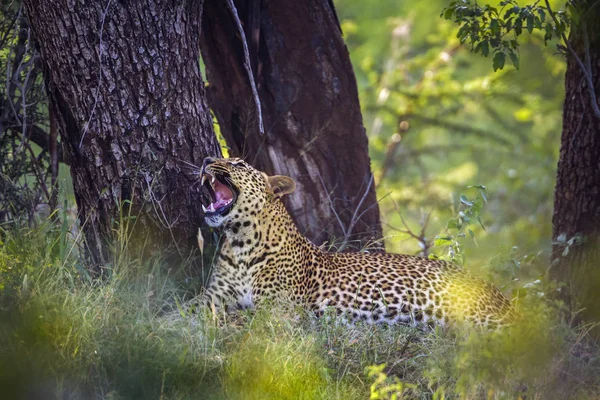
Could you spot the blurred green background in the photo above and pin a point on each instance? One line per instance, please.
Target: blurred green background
(439, 120)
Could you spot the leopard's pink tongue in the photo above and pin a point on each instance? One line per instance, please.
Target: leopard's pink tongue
(223, 196)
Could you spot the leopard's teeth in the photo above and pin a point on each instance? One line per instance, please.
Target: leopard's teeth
(202, 180)
(204, 209)
(212, 180)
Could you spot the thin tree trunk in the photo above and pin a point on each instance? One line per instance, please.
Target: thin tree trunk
(311, 113)
(576, 220)
(125, 83)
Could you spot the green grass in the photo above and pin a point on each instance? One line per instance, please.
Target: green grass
(62, 334)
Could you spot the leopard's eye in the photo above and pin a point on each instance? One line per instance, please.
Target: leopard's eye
(238, 163)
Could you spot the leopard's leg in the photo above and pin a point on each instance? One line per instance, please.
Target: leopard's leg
(227, 288)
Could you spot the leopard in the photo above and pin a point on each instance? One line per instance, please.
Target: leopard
(264, 256)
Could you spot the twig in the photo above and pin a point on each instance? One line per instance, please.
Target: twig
(587, 71)
(168, 225)
(87, 125)
(23, 89)
(332, 206)
(37, 169)
(247, 65)
(12, 75)
(420, 237)
(355, 216)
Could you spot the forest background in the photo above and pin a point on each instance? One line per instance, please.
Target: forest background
(445, 132)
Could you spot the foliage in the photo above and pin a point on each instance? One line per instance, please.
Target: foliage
(458, 226)
(490, 28)
(24, 168)
(384, 386)
(440, 120)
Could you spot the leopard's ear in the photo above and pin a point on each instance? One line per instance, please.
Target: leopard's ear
(280, 185)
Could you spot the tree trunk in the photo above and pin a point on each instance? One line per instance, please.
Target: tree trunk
(576, 220)
(312, 120)
(125, 83)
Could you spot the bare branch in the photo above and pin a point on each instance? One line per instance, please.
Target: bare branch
(343, 228)
(354, 218)
(247, 65)
(168, 225)
(36, 135)
(37, 169)
(450, 125)
(421, 238)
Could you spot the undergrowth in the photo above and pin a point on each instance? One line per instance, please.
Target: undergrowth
(65, 335)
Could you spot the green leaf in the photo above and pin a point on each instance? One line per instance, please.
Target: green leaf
(477, 205)
(495, 27)
(483, 195)
(482, 191)
(518, 26)
(481, 223)
(499, 59)
(511, 11)
(473, 237)
(452, 224)
(514, 58)
(542, 15)
(465, 201)
(530, 23)
(448, 13)
(462, 34)
(485, 48)
(478, 186)
(442, 240)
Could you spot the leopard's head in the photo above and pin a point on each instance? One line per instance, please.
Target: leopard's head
(238, 192)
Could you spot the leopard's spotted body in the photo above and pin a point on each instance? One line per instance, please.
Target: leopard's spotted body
(263, 255)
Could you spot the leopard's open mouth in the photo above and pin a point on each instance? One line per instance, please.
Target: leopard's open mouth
(223, 193)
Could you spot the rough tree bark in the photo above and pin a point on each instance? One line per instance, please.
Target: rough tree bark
(577, 194)
(312, 119)
(125, 83)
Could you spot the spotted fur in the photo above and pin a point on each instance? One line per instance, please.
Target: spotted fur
(263, 255)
